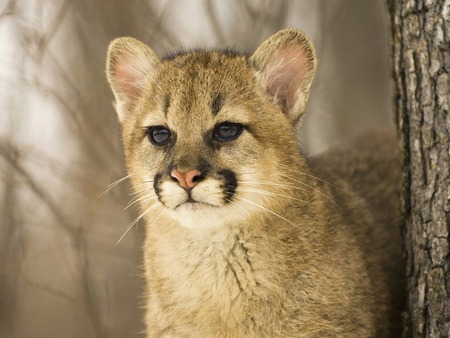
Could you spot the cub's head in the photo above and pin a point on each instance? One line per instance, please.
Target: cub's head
(209, 136)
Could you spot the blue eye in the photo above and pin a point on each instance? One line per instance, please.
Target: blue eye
(227, 131)
(159, 135)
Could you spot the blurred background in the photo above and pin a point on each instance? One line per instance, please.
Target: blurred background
(62, 271)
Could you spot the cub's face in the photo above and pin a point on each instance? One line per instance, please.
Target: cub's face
(206, 142)
(203, 138)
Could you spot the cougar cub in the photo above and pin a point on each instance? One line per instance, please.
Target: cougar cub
(245, 237)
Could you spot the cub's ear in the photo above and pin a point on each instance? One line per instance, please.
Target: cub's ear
(129, 65)
(286, 64)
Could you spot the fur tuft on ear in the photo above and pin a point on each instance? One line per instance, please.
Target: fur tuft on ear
(286, 63)
(129, 65)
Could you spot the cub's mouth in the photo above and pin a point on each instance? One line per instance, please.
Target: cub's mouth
(193, 205)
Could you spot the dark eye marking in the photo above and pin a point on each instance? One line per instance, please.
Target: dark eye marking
(159, 135)
(166, 104)
(217, 104)
(230, 184)
(227, 131)
(157, 186)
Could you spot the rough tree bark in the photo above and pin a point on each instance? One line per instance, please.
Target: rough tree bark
(421, 71)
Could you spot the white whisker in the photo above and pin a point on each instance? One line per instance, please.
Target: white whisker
(146, 198)
(315, 189)
(288, 186)
(135, 221)
(114, 184)
(268, 210)
(315, 177)
(156, 218)
(269, 193)
(136, 192)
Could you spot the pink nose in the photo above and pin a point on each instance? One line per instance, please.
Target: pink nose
(187, 180)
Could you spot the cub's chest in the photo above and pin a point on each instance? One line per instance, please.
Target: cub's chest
(208, 270)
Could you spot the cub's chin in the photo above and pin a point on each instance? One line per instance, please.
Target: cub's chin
(200, 215)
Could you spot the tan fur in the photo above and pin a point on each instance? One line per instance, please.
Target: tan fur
(290, 255)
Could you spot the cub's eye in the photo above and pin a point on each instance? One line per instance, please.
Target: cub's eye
(228, 131)
(159, 135)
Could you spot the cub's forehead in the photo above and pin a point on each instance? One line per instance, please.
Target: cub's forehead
(213, 70)
(200, 84)
(199, 88)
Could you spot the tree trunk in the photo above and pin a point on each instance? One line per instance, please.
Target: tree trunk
(421, 68)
